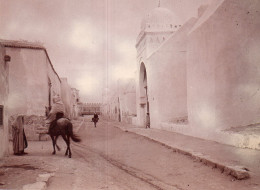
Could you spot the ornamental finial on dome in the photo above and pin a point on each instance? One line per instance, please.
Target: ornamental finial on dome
(159, 4)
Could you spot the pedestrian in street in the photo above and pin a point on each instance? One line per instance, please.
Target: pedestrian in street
(95, 118)
(19, 138)
(147, 121)
(57, 109)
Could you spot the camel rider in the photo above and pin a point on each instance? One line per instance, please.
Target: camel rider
(57, 109)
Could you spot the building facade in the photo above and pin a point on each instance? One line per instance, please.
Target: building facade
(70, 98)
(33, 82)
(156, 28)
(4, 69)
(66, 95)
(202, 79)
(75, 100)
(90, 108)
(32, 79)
(127, 100)
(119, 104)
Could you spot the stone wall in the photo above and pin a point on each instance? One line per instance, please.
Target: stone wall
(34, 127)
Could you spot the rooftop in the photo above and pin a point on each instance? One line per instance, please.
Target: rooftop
(27, 45)
(22, 44)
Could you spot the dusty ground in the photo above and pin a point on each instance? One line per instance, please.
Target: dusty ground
(16, 171)
(155, 164)
(109, 158)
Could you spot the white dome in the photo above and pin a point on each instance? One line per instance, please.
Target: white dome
(158, 17)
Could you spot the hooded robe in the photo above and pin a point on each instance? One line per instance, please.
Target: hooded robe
(19, 138)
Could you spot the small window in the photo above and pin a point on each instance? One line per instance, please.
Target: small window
(1, 115)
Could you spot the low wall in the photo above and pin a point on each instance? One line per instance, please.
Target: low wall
(251, 139)
(34, 127)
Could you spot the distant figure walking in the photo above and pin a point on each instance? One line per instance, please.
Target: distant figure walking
(19, 138)
(95, 119)
(57, 112)
(147, 121)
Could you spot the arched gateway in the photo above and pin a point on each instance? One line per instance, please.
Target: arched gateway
(156, 28)
(144, 103)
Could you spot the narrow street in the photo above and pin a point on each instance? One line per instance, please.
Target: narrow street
(115, 159)
(109, 158)
(174, 84)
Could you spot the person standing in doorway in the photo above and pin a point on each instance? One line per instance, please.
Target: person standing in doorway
(19, 138)
(147, 121)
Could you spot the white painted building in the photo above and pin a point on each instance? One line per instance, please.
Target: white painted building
(4, 69)
(120, 103)
(156, 28)
(33, 82)
(202, 78)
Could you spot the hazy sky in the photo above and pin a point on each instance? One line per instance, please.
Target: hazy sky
(86, 39)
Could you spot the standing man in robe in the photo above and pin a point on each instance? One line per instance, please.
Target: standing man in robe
(147, 121)
(19, 138)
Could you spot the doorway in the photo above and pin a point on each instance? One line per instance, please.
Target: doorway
(144, 101)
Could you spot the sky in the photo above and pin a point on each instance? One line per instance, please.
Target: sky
(90, 42)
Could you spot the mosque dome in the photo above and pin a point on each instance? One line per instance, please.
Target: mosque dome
(160, 19)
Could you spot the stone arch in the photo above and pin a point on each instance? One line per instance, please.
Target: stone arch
(142, 79)
(143, 89)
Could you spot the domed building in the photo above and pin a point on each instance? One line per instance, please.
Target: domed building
(157, 27)
(160, 20)
(201, 78)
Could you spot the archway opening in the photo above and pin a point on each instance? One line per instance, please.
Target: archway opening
(144, 103)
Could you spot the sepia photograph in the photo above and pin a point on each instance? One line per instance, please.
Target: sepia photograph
(129, 94)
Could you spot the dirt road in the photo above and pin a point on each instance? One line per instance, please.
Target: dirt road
(109, 158)
(114, 159)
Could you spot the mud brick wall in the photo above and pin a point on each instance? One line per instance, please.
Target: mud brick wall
(34, 127)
